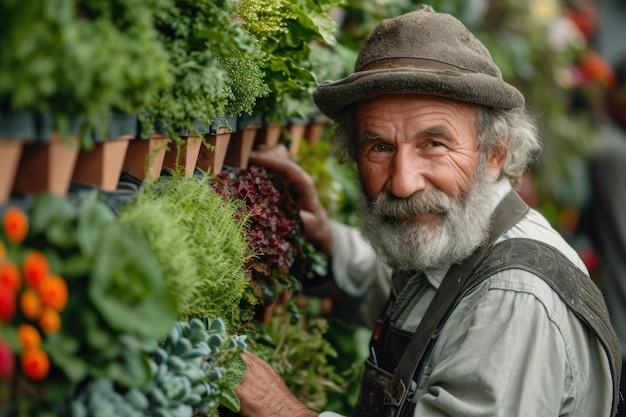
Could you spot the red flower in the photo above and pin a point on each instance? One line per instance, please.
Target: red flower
(7, 361)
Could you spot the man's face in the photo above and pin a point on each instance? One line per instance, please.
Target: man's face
(425, 193)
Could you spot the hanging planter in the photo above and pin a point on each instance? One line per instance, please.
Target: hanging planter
(242, 141)
(269, 134)
(102, 165)
(314, 129)
(184, 155)
(47, 167)
(16, 129)
(146, 153)
(211, 157)
(295, 132)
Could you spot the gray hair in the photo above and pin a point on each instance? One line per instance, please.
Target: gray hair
(514, 130)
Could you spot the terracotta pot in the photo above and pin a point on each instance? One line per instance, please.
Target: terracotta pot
(314, 129)
(47, 167)
(296, 131)
(102, 165)
(10, 152)
(240, 146)
(16, 129)
(184, 156)
(269, 135)
(211, 158)
(144, 157)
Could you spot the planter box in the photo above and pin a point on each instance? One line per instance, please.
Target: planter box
(16, 129)
(295, 133)
(102, 165)
(185, 157)
(47, 167)
(240, 147)
(211, 158)
(314, 129)
(269, 135)
(144, 157)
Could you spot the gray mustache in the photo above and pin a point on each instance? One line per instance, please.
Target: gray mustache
(389, 206)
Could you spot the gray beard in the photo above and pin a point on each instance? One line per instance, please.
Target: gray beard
(463, 225)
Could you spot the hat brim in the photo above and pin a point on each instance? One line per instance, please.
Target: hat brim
(332, 97)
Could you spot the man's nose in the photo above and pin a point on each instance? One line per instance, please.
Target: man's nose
(407, 174)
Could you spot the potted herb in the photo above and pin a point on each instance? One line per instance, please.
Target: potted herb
(285, 30)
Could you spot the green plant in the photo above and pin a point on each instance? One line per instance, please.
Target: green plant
(201, 37)
(301, 354)
(80, 61)
(189, 377)
(117, 302)
(281, 258)
(285, 30)
(198, 239)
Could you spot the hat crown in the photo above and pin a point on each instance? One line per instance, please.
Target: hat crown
(428, 39)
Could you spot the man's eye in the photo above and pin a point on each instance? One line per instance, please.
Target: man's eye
(434, 144)
(381, 147)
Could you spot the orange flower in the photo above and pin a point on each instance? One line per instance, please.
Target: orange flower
(7, 304)
(30, 304)
(53, 292)
(10, 275)
(49, 321)
(3, 251)
(35, 364)
(35, 267)
(28, 336)
(15, 224)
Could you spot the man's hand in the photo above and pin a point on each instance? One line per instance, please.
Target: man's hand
(263, 393)
(314, 217)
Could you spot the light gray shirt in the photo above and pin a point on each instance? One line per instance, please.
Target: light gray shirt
(510, 348)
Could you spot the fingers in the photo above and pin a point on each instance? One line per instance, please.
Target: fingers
(263, 393)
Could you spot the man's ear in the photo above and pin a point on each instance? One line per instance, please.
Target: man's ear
(497, 158)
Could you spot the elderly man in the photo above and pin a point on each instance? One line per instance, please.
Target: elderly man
(479, 307)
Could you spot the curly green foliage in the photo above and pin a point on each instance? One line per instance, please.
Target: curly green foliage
(211, 233)
(197, 34)
(159, 220)
(84, 58)
(247, 82)
(285, 29)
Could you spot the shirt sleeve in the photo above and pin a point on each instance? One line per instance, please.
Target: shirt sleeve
(513, 348)
(360, 274)
(330, 414)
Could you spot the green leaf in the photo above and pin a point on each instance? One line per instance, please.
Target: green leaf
(53, 216)
(127, 285)
(234, 376)
(93, 218)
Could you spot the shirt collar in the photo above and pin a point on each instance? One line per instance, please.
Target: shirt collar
(501, 189)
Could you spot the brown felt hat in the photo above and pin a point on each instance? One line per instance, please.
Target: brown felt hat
(422, 52)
